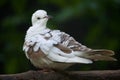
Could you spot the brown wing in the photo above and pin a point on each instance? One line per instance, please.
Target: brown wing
(63, 48)
(69, 44)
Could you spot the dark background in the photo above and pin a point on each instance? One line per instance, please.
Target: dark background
(94, 23)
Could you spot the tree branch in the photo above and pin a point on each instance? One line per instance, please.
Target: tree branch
(69, 75)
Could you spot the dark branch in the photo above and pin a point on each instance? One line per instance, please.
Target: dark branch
(69, 75)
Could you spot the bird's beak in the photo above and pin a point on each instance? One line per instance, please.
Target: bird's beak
(48, 16)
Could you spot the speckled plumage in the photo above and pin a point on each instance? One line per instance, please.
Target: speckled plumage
(47, 48)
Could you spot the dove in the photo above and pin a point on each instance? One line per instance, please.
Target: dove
(54, 49)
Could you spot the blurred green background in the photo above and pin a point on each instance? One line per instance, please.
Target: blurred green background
(94, 23)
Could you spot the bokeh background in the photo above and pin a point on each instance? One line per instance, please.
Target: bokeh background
(95, 23)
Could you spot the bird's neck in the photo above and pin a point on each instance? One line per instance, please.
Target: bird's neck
(39, 27)
(35, 29)
(40, 24)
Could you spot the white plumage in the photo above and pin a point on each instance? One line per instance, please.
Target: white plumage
(55, 49)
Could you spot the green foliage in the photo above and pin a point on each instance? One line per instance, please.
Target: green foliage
(92, 22)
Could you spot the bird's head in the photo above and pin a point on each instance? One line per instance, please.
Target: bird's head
(40, 17)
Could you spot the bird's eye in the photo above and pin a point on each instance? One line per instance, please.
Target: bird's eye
(38, 18)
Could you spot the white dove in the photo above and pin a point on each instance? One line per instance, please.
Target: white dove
(54, 49)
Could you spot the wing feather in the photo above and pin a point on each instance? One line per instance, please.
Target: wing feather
(68, 44)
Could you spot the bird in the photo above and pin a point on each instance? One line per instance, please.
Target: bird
(55, 49)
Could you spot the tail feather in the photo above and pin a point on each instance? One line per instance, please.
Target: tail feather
(101, 54)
